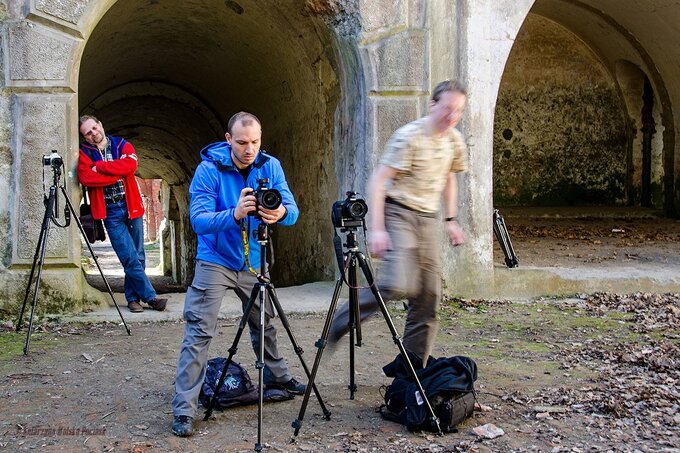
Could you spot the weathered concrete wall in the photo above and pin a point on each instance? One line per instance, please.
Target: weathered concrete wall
(395, 55)
(643, 34)
(560, 130)
(331, 80)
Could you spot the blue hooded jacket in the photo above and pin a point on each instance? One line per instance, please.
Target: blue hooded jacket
(215, 190)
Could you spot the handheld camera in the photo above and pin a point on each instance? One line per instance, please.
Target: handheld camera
(350, 212)
(266, 197)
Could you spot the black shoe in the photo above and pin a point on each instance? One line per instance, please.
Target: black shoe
(158, 304)
(183, 426)
(295, 387)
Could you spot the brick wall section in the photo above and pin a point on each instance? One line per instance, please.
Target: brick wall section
(153, 215)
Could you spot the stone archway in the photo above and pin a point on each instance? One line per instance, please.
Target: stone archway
(168, 75)
(635, 33)
(560, 126)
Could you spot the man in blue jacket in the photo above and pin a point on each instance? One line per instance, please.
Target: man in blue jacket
(221, 201)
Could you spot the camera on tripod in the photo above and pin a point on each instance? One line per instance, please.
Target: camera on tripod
(266, 197)
(350, 212)
(53, 159)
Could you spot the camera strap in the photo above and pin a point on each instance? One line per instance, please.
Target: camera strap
(246, 247)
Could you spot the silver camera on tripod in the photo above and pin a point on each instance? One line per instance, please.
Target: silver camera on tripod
(53, 159)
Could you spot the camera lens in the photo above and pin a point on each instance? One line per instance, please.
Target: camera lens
(271, 199)
(357, 209)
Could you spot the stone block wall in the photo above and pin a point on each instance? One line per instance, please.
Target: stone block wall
(38, 113)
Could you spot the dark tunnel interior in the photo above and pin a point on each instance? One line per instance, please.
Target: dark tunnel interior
(168, 75)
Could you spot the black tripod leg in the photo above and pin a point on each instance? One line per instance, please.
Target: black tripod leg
(397, 339)
(503, 237)
(232, 351)
(260, 364)
(321, 345)
(41, 260)
(96, 261)
(354, 322)
(38, 247)
(296, 347)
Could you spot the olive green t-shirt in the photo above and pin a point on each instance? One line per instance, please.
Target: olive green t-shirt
(423, 163)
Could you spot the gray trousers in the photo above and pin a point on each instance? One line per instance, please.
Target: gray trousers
(411, 270)
(201, 309)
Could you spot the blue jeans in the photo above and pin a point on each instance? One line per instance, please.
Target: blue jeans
(127, 238)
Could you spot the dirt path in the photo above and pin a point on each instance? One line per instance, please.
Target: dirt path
(571, 375)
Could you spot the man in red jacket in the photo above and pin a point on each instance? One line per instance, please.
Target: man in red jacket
(107, 168)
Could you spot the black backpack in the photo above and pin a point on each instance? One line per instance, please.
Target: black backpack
(448, 384)
(94, 229)
(237, 389)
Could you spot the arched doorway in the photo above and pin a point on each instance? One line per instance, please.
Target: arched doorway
(584, 121)
(560, 126)
(168, 76)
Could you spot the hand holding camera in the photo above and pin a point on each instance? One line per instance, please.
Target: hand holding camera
(263, 203)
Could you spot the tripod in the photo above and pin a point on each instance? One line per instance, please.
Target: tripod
(351, 257)
(263, 290)
(501, 232)
(51, 214)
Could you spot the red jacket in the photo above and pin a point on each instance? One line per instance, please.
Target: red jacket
(123, 166)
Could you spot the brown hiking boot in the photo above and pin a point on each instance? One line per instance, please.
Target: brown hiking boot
(158, 304)
(135, 307)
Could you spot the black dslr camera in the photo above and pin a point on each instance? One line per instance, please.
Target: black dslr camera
(265, 197)
(350, 212)
(53, 159)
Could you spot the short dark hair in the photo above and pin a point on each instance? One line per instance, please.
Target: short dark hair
(244, 117)
(453, 86)
(85, 118)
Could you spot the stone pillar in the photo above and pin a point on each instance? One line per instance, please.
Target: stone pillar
(406, 47)
(178, 241)
(485, 32)
(38, 95)
(394, 50)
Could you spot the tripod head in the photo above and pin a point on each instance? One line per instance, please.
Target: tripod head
(263, 233)
(264, 239)
(348, 216)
